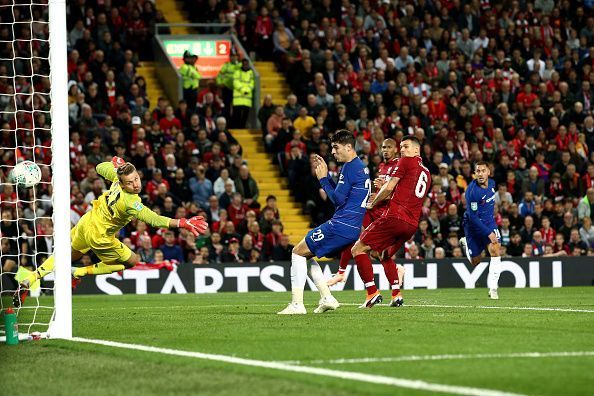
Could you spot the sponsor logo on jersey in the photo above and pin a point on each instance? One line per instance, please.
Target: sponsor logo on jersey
(474, 205)
(137, 205)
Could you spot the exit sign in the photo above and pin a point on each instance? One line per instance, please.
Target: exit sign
(212, 54)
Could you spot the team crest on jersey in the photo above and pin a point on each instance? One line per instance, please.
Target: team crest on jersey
(474, 205)
(137, 205)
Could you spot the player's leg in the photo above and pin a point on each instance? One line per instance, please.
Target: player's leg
(471, 247)
(394, 273)
(299, 258)
(494, 270)
(327, 301)
(345, 258)
(31, 279)
(378, 237)
(114, 256)
(361, 252)
(402, 232)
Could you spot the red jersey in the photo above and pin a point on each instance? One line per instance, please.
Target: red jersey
(385, 171)
(407, 199)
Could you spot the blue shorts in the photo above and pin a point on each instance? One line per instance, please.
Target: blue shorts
(327, 240)
(476, 243)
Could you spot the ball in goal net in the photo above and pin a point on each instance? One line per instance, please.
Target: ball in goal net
(35, 222)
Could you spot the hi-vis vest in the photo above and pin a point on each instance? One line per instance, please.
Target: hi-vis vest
(225, 76)
(243, 87)
(190, 76)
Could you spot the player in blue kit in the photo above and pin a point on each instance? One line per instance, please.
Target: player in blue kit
(480, 230)
(350, 197)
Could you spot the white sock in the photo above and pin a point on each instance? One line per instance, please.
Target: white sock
(467, 252)
(298, 277)
(494, 271)
(318, 277)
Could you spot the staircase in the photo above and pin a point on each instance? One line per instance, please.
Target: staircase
(154, 90)
(270, 182)
(173, 13)
(272, 82)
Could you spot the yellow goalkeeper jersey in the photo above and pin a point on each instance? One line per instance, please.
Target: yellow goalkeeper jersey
(115, 208)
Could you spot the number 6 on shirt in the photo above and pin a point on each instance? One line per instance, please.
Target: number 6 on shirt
(421, 187)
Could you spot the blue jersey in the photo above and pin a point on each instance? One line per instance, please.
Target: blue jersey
(480, 208)
(349, 196)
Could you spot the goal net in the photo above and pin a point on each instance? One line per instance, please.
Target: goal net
(34, 126)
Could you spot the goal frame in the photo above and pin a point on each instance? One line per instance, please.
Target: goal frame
(61, 323)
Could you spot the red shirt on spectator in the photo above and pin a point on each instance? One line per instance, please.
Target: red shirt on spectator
(548, 235)
(526, 98)
(437, 109)
(237, 214)
(166, 124)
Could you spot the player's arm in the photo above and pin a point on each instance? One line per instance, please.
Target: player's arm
(338, 192)
(197, 225)
(109, 169)
(384, 192)
(472, 205)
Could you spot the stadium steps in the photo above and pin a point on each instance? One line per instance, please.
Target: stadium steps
(154, 90)
(272, 82)
(172, 11)
(270, 182)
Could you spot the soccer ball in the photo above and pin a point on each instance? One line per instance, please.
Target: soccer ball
(25, 174)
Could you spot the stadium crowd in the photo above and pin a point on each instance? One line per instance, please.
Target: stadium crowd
(510, 82)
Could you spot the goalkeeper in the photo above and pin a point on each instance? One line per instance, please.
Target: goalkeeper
(96, 230)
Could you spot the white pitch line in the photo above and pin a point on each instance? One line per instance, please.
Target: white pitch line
(345, 375)
(505, 308)
(280, 305)
(417, 358)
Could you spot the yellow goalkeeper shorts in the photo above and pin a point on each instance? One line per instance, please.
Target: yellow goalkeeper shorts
(85, 236)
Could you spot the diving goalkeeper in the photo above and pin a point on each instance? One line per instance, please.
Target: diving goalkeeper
(96, 230)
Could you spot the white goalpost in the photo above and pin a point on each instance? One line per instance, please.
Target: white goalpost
(34, 126)
(61, 326)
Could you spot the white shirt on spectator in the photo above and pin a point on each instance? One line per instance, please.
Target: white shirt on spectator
(541, 69)
(219, 186)
(380, 64)
(480, 42)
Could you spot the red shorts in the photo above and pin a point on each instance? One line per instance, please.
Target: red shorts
(387, 232)
(372, 215)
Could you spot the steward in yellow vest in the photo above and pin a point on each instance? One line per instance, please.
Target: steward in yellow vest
(190, 79)
(243, 91)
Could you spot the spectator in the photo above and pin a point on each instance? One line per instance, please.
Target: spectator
(586, 205)
(201, 187)
(171, 250)
(231, 252)
(247, 187)
(245, 250)
(587, 232)
(576, 244)
(282, 251)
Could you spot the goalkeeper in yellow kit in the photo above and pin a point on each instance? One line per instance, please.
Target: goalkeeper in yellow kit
(96, 230)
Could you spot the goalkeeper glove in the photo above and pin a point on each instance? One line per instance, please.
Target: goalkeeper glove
(197, 225)
(117, 162)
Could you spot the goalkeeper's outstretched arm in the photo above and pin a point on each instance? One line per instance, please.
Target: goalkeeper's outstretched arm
(129, 180)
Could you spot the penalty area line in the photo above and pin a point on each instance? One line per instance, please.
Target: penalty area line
(345, 375)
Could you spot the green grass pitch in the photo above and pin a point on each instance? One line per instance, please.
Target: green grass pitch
(246, 325)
